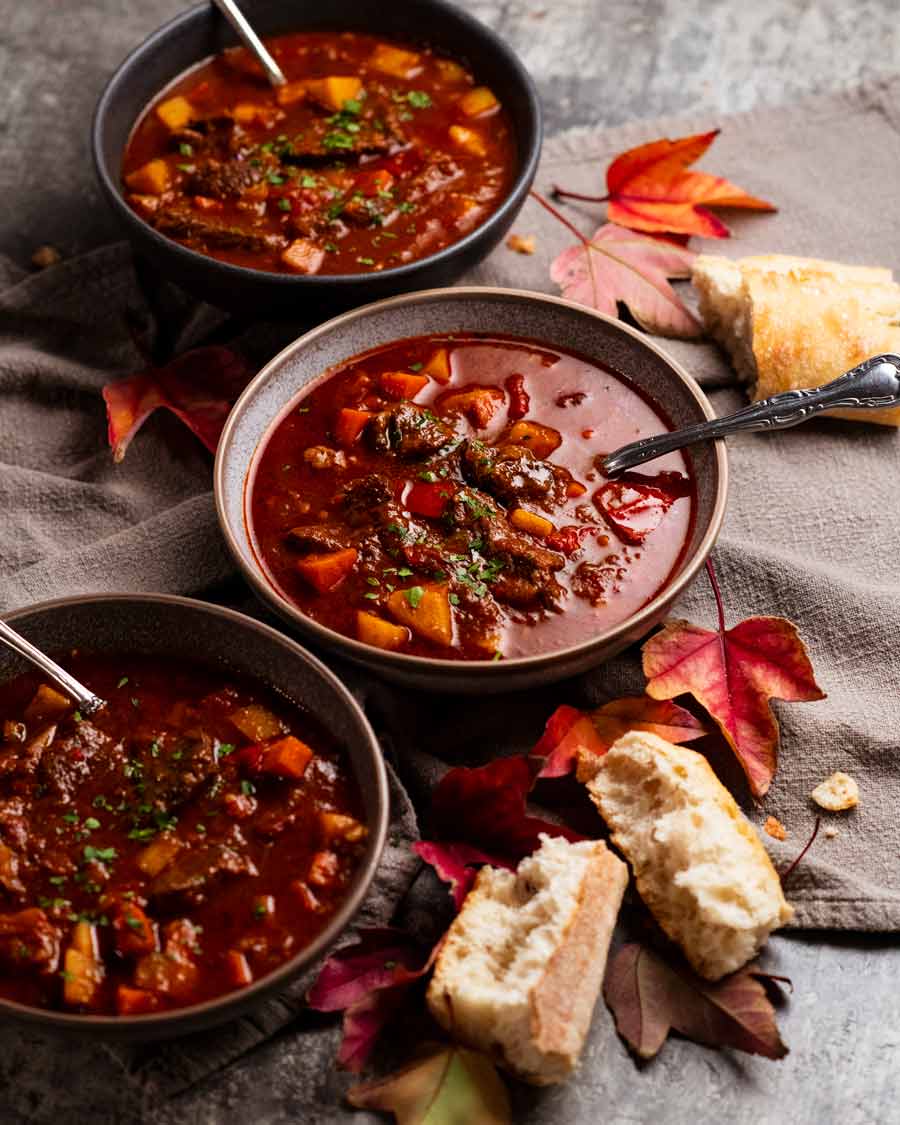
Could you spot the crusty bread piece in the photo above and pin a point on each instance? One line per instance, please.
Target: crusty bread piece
(698, 863)
(798, 322)
(521, 966)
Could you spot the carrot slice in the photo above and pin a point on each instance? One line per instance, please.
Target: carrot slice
(238, 968)
(429, 498)
(135, 1001)
(325, 572)
(531, 522)
(350, 425)
(541, 440)
(288, 757)
(402, 384)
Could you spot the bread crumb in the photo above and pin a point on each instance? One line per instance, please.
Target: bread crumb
(836, 793)
(831, 832)
(775, 828)
(522, 243)
(45, 256)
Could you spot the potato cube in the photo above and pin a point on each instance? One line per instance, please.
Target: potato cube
(468, 140)
(303, 256)
(450, 71)
(175, 112)
(477, 101)
(395, 61)
(372, 630)
(331, 93)
(152, 178)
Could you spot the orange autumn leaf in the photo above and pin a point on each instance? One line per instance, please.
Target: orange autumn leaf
(570, 732)
(733, 674)
(198, 387)
(651, 190)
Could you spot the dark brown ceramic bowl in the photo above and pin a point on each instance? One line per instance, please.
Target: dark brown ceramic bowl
(159, 624)
(548, 320)
(202, 31)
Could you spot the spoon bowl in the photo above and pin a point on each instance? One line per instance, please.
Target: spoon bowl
(83, 698)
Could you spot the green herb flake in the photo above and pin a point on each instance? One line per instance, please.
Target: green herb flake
(185, 149)
(418, 99)
(352, 105)
(226, 748)
(406, 207)
(185, 167)
(414, 595)
(274, 178)
(78, 717)
(70, 817)
(453, 599)
(371, 596)
(135, 702)
(284, 205)
(308, 181)
(248, 788)
(337, 140)
(104, 855)
(366, 261)
(372, 581)
(57, 880)
(416, 367)
(122, 682)
(91, 823)
(331, 248)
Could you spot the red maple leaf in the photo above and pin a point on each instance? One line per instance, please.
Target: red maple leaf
(199, 387)
(368, 981)
(733, 674)
(649, 997)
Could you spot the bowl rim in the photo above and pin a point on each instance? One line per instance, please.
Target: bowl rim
(368, 654)
(219, 1009)
(228, 271)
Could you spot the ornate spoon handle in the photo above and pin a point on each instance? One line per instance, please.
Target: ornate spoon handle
(251, 40)
(874, 383)
(84, 699)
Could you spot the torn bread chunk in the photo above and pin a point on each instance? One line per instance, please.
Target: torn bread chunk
(836, 793)
(699, 865)
(522, 964)
(791, 323)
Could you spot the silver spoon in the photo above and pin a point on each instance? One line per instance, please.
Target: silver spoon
(251, 40)
(83, 698)
(875, 383)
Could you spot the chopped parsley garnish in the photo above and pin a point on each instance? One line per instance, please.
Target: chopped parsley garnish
(248, 788)
(453, 599)
(308, 181)
(57, 880)
(370, 595)
(259, 910)
(284, 205)
(414, 595)
(70, 817)
(418, 99)
(331, 248)
(406, 207)
(404, 572)
(104, 855)
(226, 748)
(135, 702)
(141, 833)
(337, 139)
(372, 581)
(185, 167)
(366, 261)
(335, 209)
(122, 682)
(352, 105)
(133, 922)
(91, 823)
(77, 716)
(274, 178)
(185, 149)
(414, 366)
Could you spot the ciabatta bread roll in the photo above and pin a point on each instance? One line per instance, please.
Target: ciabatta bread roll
(791, 323)
(522, 964)
(698, 863)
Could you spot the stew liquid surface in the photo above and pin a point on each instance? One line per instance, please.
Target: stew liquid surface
(441, 496)
(373, 155)
(183, 841)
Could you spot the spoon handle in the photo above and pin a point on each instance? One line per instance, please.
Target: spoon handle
(251, 40)
(874, 384)
(85, 700)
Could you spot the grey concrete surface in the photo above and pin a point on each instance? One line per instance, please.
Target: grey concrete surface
(596, 61)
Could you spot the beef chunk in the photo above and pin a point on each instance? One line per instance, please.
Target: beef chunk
(29, 940)
(218, 179)
(69, 760)
(13, 822)
(172, 767)
(408, 430)
(593, 581)
(324, 141)
(196, 871)
(23, 758)
(318, 538)
(177, 223)
(362, 496)
(514, 475)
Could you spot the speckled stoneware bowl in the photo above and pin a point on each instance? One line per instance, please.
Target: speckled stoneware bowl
(192, 630)
(202, 31)
(548, 320)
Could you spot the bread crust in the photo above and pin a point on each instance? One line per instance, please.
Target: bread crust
(792, 323)
(560, 1003)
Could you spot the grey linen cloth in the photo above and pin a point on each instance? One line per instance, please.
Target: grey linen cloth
(810, 534)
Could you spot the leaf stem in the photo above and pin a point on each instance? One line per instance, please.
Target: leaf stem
(545, 203)
(560, 193)
(809, 843)
(718, 594)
